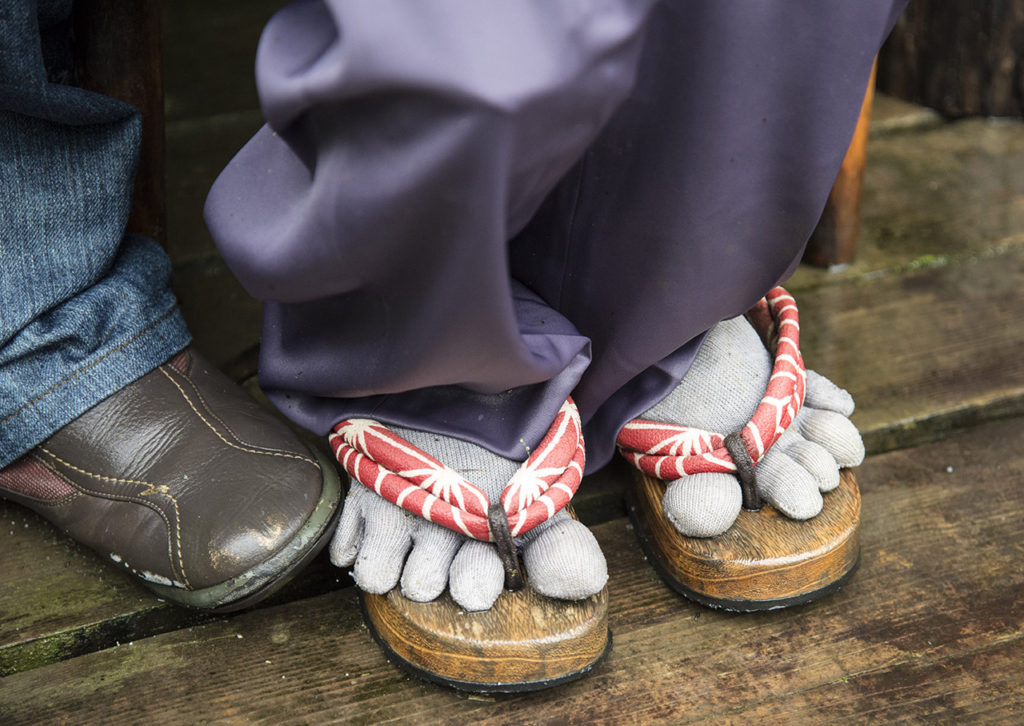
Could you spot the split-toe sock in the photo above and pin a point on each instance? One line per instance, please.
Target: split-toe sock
(387, 546)
(720, 393)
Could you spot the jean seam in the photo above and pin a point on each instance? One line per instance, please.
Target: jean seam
(66, 379)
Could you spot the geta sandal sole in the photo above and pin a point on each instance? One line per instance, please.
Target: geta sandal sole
(765, 561)
(525, 642)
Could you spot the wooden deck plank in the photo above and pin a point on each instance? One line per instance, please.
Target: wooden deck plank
(981, 686)
(922, 352)
(50, 584)
(59, 600)
(936, 610)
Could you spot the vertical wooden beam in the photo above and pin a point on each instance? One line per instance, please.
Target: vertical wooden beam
(118, 54)
(834, 241)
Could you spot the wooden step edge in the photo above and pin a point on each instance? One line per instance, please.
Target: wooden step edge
(935, 426)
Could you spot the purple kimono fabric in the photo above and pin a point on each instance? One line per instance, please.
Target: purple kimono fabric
(459, 212)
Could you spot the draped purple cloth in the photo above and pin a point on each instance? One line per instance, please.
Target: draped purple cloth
(459, 213)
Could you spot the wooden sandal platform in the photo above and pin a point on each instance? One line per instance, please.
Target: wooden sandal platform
(765, 560)
(525, 642)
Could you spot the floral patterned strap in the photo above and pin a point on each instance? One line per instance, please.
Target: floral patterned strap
(419, 483)
(668, 451)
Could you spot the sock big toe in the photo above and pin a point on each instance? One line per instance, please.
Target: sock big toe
(703, 505)
(565, 561)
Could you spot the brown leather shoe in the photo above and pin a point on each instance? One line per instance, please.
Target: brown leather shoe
(183, 479)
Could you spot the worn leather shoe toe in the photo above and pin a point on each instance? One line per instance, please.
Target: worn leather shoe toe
(183, 479)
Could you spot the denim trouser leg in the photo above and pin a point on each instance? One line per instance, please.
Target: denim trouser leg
(83, 310)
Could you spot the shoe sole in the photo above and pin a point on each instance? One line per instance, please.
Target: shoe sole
(256, 584)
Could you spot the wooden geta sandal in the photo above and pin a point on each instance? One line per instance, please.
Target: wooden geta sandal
(765, 560)
(525, 641)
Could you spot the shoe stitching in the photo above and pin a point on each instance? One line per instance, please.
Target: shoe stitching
(268, 449)
(213, 414)
(151, 489)
(241, 446)
(155, 489)
(82, 370)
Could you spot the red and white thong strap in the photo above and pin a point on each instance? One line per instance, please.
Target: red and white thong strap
(419, 483)
(669, 451)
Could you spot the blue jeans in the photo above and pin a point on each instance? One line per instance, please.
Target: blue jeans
(84, 310)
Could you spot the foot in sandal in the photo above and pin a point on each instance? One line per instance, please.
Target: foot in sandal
(404, 562)
(756, 559)
(720, 393)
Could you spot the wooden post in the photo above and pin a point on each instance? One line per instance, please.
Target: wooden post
(118, 54)
(834, 241)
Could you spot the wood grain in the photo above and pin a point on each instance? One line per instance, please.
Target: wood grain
(930, 627)
(960, 56)
(59, 599)
(764, 561)
(935, 196)
(525, 642)
(118, 54)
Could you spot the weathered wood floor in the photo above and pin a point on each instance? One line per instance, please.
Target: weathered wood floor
(926, 331)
